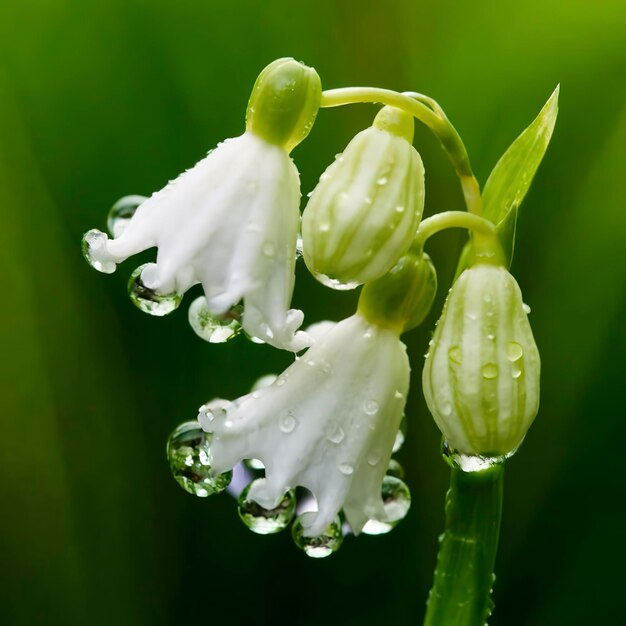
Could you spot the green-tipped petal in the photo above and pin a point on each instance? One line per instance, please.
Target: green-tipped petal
(284, 103)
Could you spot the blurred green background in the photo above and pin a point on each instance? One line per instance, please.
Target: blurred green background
(99, 99)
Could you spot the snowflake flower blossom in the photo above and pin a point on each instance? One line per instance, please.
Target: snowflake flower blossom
(328, 424)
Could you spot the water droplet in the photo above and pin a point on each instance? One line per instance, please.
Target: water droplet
(346, 469)
(514, 351)
(216, 408)
(368, 200)
(324, 227)
(148, 300)
(266, 521)
(455, 355)
(516, 372)
(471, 316)
(373, 459)
(491, 337)
(471, 462)
(254, 464)
(269, 250)
(333, 283)
(382, 181)
(281, 380)
(309, 194)
(398, 395)
(214, 329)
(321, 546)
(396, 503)
(288, 423)
(395, 469)
(371, 407)
(399, 209)
(337, 435)
(490, 371)
(526, 308)
(121, 213)
(400, 435)
(309, 362)
(299, 247)
(94, 250)
(264, 381)
(189, 456)
(252, 338)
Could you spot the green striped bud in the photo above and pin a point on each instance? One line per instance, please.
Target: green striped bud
(284, 103)
(402, 298)
(363, 214)
(481, 375)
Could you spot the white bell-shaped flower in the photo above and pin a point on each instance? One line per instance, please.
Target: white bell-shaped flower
(231, 222)
(328, 423)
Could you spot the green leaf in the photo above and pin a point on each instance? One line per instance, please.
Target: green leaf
(510, 179)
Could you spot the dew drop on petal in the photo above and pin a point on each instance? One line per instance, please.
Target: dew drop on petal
(471, 462)
(254, 464)
(516, 372)
(446, 408)
(346, 468)
(121, 213)
(211, 328)
(336, 435)
(382, 181)
(264, 381)
(93, 246)
(148, 300)
(321, 546)
(395, 469)
(396, 503)
(287, 423)
(335, 284)
(526, 308)
(371, 407)
(489, 371)
(299, 247)
(266, 521)
(373, 458)
(189, 456)
(514, 351)
(212, 410)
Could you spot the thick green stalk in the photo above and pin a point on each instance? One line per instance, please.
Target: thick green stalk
(461, 593)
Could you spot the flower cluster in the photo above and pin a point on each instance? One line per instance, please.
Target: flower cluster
(314, 444)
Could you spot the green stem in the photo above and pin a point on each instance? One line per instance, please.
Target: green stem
(431, 115)
(461, 593)
(487, 247)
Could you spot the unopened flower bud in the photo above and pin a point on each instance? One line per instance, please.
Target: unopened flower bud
(402, 298)
(481, 375)
(363, 214)
(284, 103)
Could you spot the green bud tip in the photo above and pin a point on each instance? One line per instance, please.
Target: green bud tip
(284, 103)
(402, 298)
(395, 121)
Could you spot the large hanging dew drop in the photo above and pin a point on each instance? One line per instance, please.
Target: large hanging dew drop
(396, 502)
(189, 455)
(121, 213)
(148, 300)
(471, 462)
(214, 329)
(266, 521)
(93, 246)
(321, 546)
